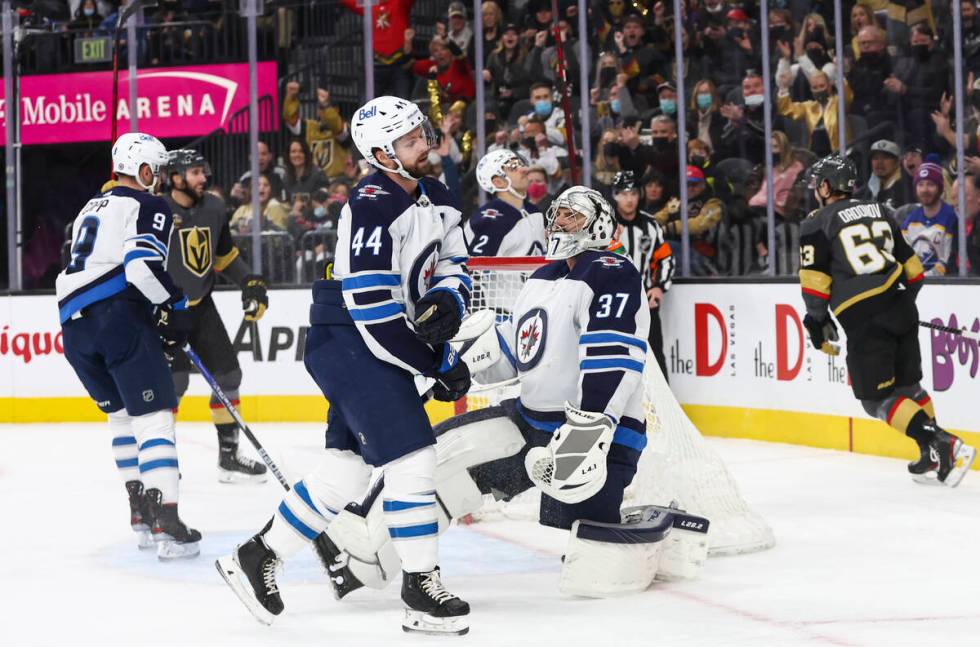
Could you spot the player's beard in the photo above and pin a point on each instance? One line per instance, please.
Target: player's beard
(420, 168)
(196, 195)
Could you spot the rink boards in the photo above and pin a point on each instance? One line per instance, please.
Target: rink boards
(736, 353)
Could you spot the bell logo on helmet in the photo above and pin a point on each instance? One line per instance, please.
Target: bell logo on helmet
(367, 113)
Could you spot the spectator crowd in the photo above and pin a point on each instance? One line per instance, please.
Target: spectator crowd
(898, 94)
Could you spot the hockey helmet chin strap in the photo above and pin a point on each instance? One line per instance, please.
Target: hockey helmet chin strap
(510, 189)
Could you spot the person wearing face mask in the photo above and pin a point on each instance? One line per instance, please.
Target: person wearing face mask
(704, 121)
(920, 80)
(744, 135)
(86, 17)
(867, 79)
(537, 188)
(667, 95)
(819, 115)
(889, 185)
(553, 117)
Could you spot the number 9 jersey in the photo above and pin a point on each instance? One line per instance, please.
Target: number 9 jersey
(119, 238)
(851, 257)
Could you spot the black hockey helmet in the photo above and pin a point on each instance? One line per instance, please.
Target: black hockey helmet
(836, 170)
(625, 181)
(181, 159)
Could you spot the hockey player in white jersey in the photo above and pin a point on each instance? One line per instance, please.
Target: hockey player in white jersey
(508, 224)
(397, 294)
(577, 344)
(113, 291)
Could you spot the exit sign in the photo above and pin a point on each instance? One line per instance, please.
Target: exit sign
(94, 49)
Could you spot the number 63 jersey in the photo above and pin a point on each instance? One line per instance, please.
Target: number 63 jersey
(119, 238)
(852, 257)
(580, 335)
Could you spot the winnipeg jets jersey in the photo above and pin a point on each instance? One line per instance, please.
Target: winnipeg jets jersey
(499, 229)
(598, 308)
(392, 248)
(119, 238)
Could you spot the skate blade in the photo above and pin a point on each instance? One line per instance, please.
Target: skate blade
(169, 550)
(144, 540)
(928, 478)
(964, 459)
(422, 623)
(231, 477)
(232, 573)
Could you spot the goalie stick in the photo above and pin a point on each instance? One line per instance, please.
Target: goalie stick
(962, 332)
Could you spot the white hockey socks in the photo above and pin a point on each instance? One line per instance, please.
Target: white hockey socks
(410, 509)
(124, 447)
(313, 502)
(154, 433)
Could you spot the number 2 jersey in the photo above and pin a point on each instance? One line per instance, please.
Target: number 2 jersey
(579, 336)
(119, 241)
(852, 256)
(392, 248)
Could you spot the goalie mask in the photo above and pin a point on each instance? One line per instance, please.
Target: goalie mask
(577, 220)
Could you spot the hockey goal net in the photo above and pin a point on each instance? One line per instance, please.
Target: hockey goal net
(677, 464)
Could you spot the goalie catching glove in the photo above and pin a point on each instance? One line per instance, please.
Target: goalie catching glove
(439, 314)
(452, 376)
(255, 297)
(572, 467)
(823, 334)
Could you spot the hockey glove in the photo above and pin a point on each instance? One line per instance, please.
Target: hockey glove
(255, 297)
(822, 334)
(452, 376)
(171, 333)
(438, 315)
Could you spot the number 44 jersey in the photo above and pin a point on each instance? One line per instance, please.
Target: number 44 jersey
(852, 256)
(120, 238)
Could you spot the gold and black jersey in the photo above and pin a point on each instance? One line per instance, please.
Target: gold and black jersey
(851, 254)
(200, 245)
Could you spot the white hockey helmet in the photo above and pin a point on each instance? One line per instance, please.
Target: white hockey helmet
(132, 150)
(492, 165)
(596, 232)
(380, 121)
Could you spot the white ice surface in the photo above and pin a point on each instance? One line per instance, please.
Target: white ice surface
(864, 557)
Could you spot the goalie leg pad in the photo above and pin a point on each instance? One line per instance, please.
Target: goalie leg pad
(686, 549)
(475, 439)
(609, 559)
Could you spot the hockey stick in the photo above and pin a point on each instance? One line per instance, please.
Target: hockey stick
(564, 90)
(206, 374)
(124, 16)
(962, 332)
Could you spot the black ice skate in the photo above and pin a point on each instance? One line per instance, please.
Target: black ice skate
(430, 608)
(235, 468)
(139, 515)
(335, 562)
(945, 460)
(250, 571)
(173, 538)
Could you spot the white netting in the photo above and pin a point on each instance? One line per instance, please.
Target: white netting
(677, 465)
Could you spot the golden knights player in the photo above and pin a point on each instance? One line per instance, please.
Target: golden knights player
(200, 247)
(855, 263)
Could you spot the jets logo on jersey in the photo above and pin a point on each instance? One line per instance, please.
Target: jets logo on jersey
(423, 270)
(371, 191)
(195, 247)
(610, 261)
(491, 213)
(532, 332)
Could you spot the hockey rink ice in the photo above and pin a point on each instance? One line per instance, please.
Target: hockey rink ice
(864, 557)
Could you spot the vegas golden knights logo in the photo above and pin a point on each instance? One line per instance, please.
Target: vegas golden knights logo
(195, 247)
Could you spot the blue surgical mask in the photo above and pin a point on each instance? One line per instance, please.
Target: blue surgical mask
(320, 211)
(615, 105)
(542, 108)
(704, 101)
(668, 106)
(89, 11)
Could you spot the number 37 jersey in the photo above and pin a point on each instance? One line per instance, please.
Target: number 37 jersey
(119, 239)
(580, 335)
(852, 255)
